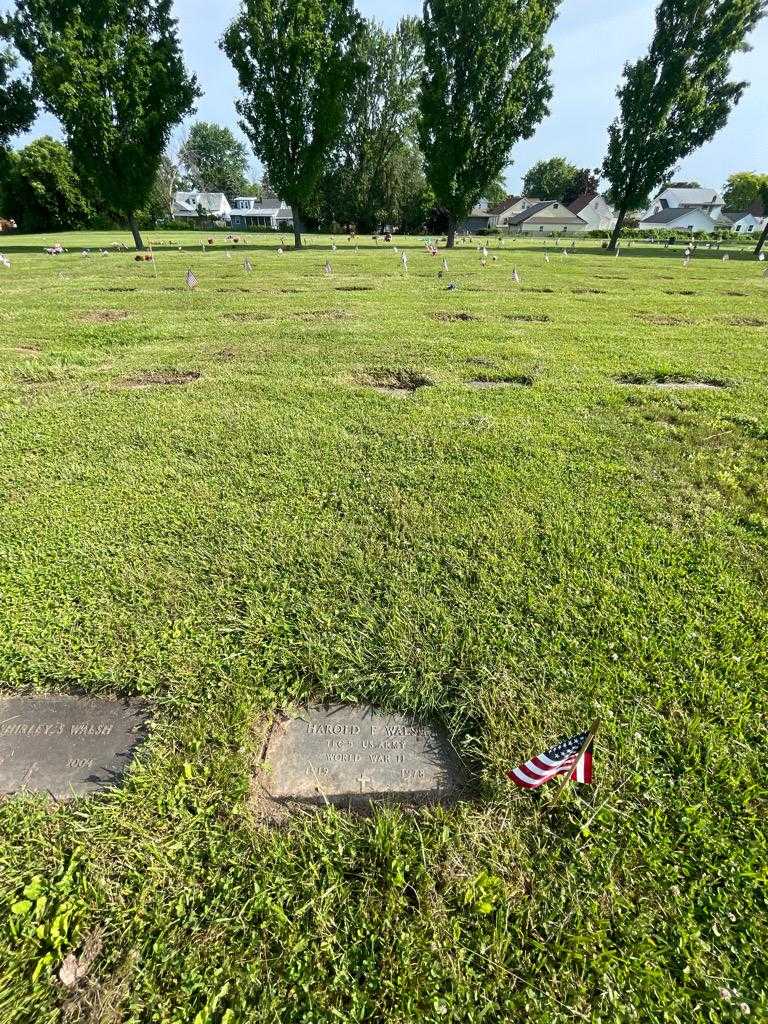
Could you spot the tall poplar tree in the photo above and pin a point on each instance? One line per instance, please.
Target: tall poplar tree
(677, 97)
(486, 86)
(297, 63)
(113, 73)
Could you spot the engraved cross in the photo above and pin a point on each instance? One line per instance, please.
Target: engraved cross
(362, 780)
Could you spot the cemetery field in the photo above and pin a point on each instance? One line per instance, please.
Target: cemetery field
(231, 502)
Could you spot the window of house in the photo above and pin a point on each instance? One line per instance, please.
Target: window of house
(541, 227)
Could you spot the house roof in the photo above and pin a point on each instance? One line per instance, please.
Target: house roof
(506, 204)
(211, 201)
(531, 215)
(582, 201)
(736, 215)
(691, 196)
(669, 216)
(479, 211)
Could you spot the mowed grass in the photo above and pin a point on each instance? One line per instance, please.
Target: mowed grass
(204, 501)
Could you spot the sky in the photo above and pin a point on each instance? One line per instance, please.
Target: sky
(592, 40)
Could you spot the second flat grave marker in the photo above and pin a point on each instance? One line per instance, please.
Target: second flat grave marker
(355, 755)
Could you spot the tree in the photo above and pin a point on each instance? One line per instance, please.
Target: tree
(677, 97)
(496, 191)
(764, 236)
(485, 86)
(297, 66)
(214, 160)
(584, 183)
(683, 184)
(42, 190)
(743, 189)
(17, 103)
(380, 126)
(549, 179)
(113, 73)
(159, 203)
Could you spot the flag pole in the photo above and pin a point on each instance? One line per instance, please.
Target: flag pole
(583, 749)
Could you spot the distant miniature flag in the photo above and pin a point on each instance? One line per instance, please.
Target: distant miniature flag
(761, 257)
(445, 265)
(404, 259)
(4, 261)
(687, 261)
(562, 759)
(192, 281)
(328, 268)
(515, 276)
(546, 257)
(280, 250)
(248, 265)
(726, 258)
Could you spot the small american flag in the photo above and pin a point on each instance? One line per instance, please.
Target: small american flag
(248, 265)
(191, 281)
(558, 760)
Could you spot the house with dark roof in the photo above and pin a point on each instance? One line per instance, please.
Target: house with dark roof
(680, 219)
(547, 218)
(249, 213)
(706, 199)
(210, 206)
(745, 222)
(595, 210)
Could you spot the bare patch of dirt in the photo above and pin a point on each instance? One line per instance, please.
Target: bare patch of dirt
(740, 295)
(672, 380)
(23, 350)
(680, 291)
(747, 321)
(291, 291)
(663, 320)
(226, 355)
(234, 291)
(105, 316)
(528, 318)
(397, 383)
(485, 383)
(589, 291)
(323, 315)
(453, 318)
(153, 378)
(118, 289)
(541, 291)
(247, 318)
(355, 288)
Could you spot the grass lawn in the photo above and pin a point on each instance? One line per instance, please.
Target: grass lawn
(204, 501)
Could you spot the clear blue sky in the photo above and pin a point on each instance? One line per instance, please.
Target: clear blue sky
(592, 40)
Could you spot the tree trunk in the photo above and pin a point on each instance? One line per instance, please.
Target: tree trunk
(451, 239)
(762, 240)
(133, 224)
(617, 230)
(296, 226)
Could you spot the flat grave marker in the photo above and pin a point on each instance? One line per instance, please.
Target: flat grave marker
(67, 746)
(353, 755)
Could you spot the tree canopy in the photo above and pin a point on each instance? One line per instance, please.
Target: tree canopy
(213, 160)
(297, 64)
(17, 103)
(744, 188)
(113, 73)
(41, 190)
(365, 181)
(486, 85)
(557, 178)
(677, 96)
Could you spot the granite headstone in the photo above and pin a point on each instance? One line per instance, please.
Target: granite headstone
(67, 746)
(354, 755)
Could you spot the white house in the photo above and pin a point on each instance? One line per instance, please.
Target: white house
(596, 211)
(548, 218)
(743, 221)
(508, 208)
(681, 219)
(706, 199)
(209, 205)
(249, 213)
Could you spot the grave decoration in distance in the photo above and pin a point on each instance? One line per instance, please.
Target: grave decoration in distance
(353, 756)
(67, 746)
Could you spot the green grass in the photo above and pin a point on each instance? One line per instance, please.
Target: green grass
(512, 561)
